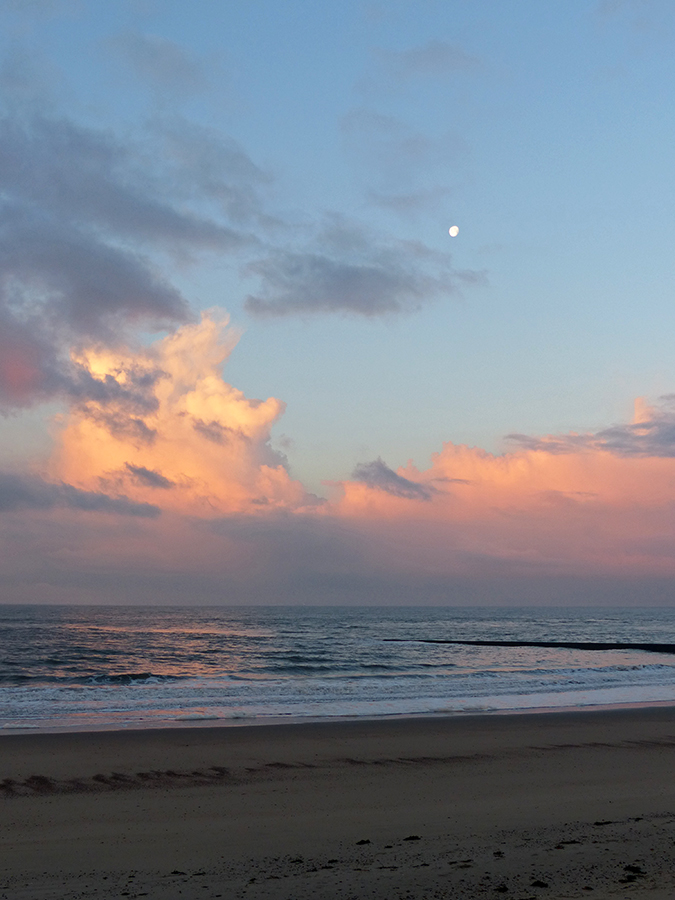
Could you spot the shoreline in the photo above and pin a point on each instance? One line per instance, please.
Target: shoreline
(447, 806)
(190, 723)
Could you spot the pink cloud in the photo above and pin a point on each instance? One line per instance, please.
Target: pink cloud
(160, 431)
(192, 437)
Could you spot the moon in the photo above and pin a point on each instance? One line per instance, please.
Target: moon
(453, 231)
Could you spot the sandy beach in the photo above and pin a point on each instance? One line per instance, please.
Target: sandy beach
(548, 805)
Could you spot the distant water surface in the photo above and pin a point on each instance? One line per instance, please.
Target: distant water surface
(70, 667)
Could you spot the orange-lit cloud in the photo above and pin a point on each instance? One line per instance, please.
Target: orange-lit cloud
(173, 431)
(164, 485)
(566, 504)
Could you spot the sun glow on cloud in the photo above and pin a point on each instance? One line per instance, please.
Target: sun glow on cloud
(174, 471)
(567, 504)
(170, 430)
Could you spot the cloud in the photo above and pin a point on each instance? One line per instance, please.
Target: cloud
(212, 431)
(651, 434)
(82, 219)
(161, 62)
(435, 58)
(28, 81)
(311, 283)
(571, 507)
(395, 152)
(403, 168)
(52, 168)
(410, 203)
(90, 284)
(351, 271)
(23, 492)
(378, 476)
(173, 422)
(90, 227)
(291, 547)
(148, 477)
(548, 522)
(216, 168)
(645, 16)
(382, 140)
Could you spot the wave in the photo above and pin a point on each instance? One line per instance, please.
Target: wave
(125, 678)
(365, 673)
(103, 678)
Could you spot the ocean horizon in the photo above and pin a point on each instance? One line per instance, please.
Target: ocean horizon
(104, 667)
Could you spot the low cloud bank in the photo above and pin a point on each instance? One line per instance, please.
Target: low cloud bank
(553, 517)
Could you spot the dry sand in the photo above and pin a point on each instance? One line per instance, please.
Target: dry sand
(546, 806)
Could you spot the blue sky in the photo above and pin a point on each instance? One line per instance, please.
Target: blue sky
(542, 129)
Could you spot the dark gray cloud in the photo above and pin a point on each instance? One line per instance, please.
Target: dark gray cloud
(82, 219)
(378, 475)
(61, 171)
(309, 283)
(24, 492)
(149, 477)
(215, 432)
(91, 285)
(654, 436)
(348, 270)
(90, 225)
(119, 423)
(435, 58)
(135, 394)
(218, 169)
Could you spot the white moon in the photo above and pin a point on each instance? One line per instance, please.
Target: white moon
(453, 231)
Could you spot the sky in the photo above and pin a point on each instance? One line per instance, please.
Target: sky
(242, 360)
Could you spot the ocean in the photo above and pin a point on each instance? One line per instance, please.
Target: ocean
(89, 668)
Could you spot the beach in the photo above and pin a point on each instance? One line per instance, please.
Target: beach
(564, 804)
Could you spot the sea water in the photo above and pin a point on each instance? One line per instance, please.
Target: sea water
(70, 668)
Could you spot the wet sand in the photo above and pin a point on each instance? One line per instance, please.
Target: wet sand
(549, 805)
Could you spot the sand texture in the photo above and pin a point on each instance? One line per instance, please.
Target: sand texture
(547, 806)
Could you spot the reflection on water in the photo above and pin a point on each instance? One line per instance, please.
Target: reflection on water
(94, 666)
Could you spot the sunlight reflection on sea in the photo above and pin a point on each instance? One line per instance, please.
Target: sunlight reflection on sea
(117, 667)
